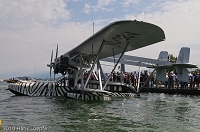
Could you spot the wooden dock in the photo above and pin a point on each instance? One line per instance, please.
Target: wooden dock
(182, 91)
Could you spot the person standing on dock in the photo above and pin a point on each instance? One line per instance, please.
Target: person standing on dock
(190, 80)
(152, 80)
(176, 80)
(196, 78)
(171, 79)
(106, 77)
(145, 77)
(114, 76)
(135, 79)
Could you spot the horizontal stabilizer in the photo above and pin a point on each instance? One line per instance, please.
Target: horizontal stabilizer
(141, 61)
(134, 63)
(187, 65)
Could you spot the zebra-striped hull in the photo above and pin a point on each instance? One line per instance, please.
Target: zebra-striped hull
(37, 89)
(89, 94)
(52, 89)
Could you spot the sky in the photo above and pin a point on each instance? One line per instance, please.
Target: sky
(31, 29)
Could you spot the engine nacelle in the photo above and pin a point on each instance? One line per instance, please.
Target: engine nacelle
(62, 66)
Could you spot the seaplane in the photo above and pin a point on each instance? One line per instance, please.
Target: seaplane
(116, 38)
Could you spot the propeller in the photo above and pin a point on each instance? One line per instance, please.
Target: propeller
(53, 64)
(60, 65)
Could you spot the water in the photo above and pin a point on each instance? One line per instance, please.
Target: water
(149, 113)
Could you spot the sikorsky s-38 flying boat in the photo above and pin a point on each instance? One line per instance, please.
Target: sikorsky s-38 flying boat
(116, 38)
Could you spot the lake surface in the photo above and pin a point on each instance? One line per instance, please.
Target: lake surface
(149, 113)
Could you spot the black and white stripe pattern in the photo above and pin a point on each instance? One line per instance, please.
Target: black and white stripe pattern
(87, 96)
(123, 95)
(37, 89)
(53, 89)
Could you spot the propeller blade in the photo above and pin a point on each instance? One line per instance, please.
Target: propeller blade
(51, 63)
(56, 60)
(51, 56)
(56, 53)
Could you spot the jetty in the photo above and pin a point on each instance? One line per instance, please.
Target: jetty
(182, 91)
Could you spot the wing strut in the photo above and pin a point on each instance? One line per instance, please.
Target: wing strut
(81, 71)
(113, 55)
(138, 85)
(92, 68)
(101, 70)
(116, 64)
(76, 79)
(99, 73)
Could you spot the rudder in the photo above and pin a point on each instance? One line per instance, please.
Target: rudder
(184, 55)
(163, 56)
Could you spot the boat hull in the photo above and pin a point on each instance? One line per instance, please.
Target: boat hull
(53, 89)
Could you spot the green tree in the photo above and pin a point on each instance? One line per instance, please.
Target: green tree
(171, 58)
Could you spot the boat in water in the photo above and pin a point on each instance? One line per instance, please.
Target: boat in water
(1, 80)
(11, 80)
(20, 79)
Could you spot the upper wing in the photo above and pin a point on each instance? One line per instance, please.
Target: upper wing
(116, 35)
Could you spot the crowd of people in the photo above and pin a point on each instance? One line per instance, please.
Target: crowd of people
(130, 78)
(192, 83)
(124, 77)
(149, 80)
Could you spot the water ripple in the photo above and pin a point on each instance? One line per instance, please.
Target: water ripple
(150, 112)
